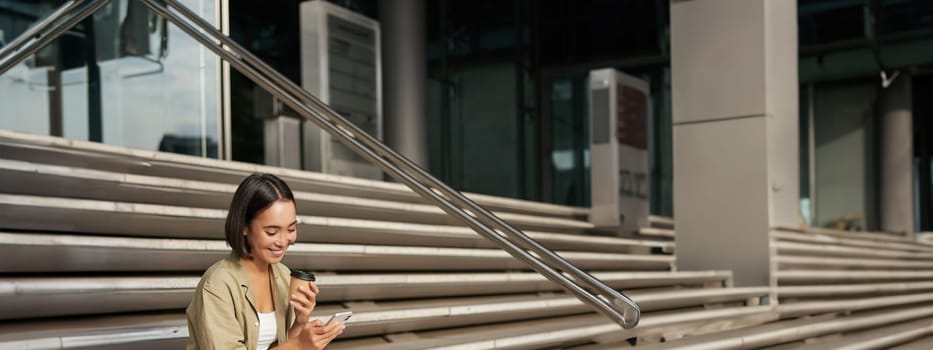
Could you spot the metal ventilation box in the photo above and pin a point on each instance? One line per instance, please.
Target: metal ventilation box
(620, 121)
(341, 65)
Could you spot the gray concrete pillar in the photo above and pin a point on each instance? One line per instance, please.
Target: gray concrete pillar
(735, 105)
(404, 77)
(896, 155)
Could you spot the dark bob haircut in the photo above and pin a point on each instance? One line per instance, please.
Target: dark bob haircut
(256, 193)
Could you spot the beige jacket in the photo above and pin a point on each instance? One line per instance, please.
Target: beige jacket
(223, 315)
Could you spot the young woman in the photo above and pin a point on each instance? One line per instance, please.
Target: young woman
(240, 302)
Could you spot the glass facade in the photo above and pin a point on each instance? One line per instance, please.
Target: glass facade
(844, 154)
(271, 32)
(570, 142)
(923, 151)
(506, 93)
(139, 82)
(122, 77)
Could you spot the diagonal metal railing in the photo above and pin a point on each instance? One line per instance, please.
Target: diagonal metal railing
(606, 300)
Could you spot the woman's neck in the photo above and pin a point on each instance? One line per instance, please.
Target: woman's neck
(255, 266)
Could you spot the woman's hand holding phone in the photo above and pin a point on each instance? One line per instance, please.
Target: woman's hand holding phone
(315, 335)
(340, 317)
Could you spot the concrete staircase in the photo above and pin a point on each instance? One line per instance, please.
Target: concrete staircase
(104, 246)
(838, 290)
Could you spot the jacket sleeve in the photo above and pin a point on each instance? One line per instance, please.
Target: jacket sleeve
(212, 321)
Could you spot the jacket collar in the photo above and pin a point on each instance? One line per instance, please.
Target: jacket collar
(242, 278)
(280, 291)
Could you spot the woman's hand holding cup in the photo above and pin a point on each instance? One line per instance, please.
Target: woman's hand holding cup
(302, 294)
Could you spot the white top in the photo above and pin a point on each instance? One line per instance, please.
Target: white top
(267, 330)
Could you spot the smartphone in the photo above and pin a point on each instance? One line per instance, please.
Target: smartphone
(341, 317)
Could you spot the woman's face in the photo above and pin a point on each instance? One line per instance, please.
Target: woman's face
(272, 231)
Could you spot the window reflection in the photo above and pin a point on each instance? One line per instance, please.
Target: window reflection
(570, 153)
(123, 77)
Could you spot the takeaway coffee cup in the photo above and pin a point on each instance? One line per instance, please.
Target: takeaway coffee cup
(299, 278)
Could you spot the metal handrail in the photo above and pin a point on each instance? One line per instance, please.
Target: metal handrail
(608, 301)
(410, 168)
(35, 30)
(46, 30)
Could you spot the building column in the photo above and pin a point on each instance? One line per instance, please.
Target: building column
(896, 155)
(735, 132)
(404, 78)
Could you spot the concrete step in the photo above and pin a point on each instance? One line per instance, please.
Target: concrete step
(209, 195)
(36, 252)
(826, 250)
(376, 318)
(924, 237)
(795, 262)
(654, 232)
(923, 343)
(795, 330)
(880, 338)
(742, 336)
(141, 331)
(792, 308)
(74, 153)
(559, 332)
(828, 276)
(37, 213)
(32, 297)
(858, 235)
(661, 222)
(133, 331)
(845, 241)
(844, 290)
